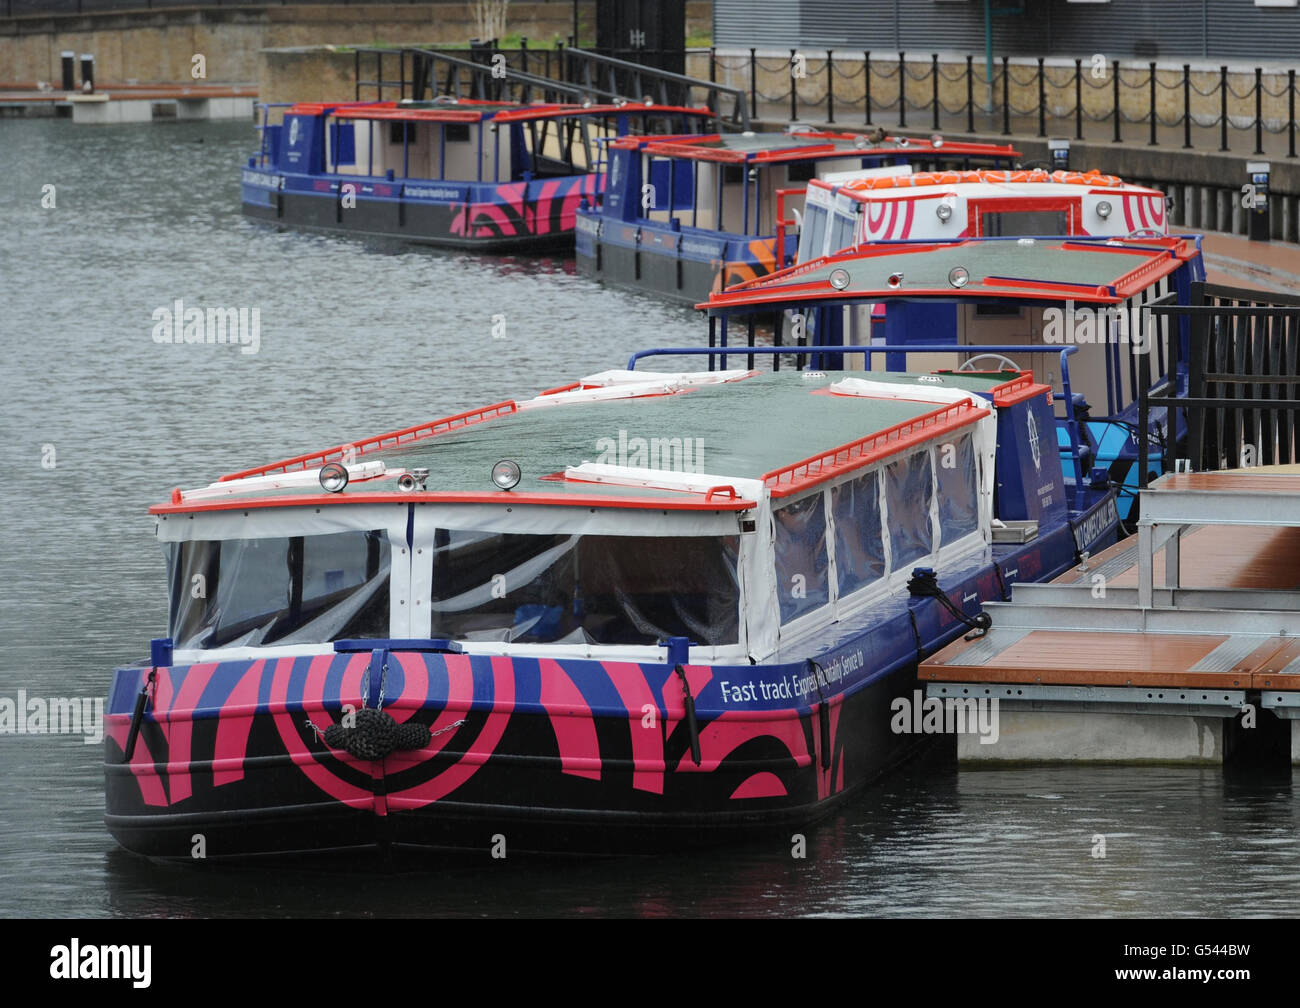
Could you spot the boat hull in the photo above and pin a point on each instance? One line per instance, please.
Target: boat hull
(685, 268)
(513, 217)
(578, 756)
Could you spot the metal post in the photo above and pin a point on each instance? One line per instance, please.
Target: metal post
(970, 94)
(753, 83)
(1152, 141)
(1187, 106)
(1042, 100)
(1259, 111)
(934, 70)
(794, 92)
(866, 83)
(1290, 124)
(830, 88)
(1223, 108)
(1006, 98)
(713, 66)
(902, 90)
(1115, 71)
(1078, 99)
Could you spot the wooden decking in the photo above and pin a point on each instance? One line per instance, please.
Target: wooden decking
(1117, 658)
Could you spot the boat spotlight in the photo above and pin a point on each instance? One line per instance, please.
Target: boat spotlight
(1103, 209)
(895, 280)
(903, 141)
(413, 479)
(944, 212)
(936, 141)
(648, 100)
(839, 278)
(506, 474)
(333, 477)
(860, 141)
(959, 276)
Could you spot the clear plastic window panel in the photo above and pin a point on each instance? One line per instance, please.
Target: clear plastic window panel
(841, 233)
(295, 590)
(909, 493)
(815, 223)
(859, 545)
(570, 589)
(802, 567)
(958, 492)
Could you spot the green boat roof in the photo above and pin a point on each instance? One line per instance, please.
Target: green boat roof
(1046, 269)
(744, 429)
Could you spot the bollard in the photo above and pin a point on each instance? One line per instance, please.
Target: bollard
(1256, 201)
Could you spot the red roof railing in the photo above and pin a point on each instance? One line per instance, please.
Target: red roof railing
(390, 440)
(862, 452)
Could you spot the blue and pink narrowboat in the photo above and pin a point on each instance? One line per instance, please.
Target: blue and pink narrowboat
(452, 172)
(643, 610)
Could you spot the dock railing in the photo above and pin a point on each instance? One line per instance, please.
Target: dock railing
(1242, 385)
(1170, 104)
(565, 74)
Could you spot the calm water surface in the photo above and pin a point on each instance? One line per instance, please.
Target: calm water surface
(358, 340)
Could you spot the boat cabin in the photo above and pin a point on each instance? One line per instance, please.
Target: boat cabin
(842, 211)
(741, 510)
(1075, 312)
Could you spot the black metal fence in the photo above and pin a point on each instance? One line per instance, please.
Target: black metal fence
(562, 73)
(1121, 87)
(1243, 377)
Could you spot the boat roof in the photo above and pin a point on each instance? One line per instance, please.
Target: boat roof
(983, 182)
(788, 429)
(467, 110)
(1096, 270)
(736, 148)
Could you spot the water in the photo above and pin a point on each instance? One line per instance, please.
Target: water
(357, 340)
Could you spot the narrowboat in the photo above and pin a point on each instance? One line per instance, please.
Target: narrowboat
(645, 610)
(681, 217)
(452, 172)
(1010, 303)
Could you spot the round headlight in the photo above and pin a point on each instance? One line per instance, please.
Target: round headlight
(506, 474)
(936, 141)
(839, 278)
(944, 212)
(895, 280)
(860, 142)
(333, 477)
(959, 276)
(1103, 209)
